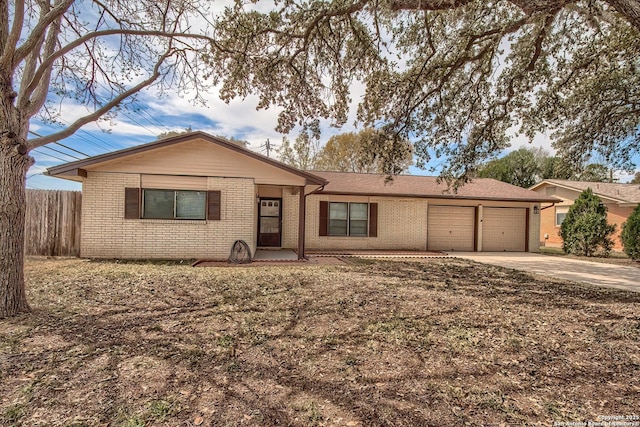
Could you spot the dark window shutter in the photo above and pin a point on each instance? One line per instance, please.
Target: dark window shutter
(131, 203)
(373, 220)
(213, 205)
(324, 218)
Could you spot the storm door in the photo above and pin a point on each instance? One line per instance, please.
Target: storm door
(270, 222)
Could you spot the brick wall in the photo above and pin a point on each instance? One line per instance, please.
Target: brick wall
(402, 225)
(290, 207)
(616, 215)
(106, 234)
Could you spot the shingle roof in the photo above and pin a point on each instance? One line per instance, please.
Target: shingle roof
(625, 193)
(425, 186)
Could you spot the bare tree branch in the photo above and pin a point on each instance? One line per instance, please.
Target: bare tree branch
(48, 62)
(14, 35)
(72, 128)
(38, 31)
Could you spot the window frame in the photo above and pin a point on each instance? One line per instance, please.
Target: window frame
(175, 205)
(348, 220)
(563, 210)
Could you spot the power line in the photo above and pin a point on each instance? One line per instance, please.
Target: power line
(62, 145)
(61, 152)
(50, 155)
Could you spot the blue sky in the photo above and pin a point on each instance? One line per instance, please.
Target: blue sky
(152, 115)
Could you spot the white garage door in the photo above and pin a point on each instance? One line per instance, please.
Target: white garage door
(450, 228)
(504, 229)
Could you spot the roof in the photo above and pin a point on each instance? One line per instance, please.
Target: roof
(425, 187)
(621, 193)
(75, 168)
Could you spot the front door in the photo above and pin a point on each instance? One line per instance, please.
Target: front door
(269, 222)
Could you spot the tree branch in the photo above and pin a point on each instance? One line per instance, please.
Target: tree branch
(40, 94)
(72, 128)
(45, 66)
(39, 30)
(14, 35)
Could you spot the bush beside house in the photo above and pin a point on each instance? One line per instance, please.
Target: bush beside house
(631, 235)
(585, 230)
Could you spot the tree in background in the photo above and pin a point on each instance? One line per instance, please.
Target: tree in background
(527, 166)
(360, 152)
(596, 172)
(636, 179)
(171, 133)
(302, 154)
(98, 54)
(585, 229)
(555, 167)
(430, 75)
(520, 167)
(630, 235)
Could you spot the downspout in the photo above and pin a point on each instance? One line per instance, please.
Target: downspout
(302, 220)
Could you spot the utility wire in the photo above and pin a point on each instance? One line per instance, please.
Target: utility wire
(50, 155)
(61, 152)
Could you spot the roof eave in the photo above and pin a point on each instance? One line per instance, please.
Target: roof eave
(580, 190)
(443, 196)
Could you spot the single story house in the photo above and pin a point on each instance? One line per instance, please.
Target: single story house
(620, 200)
(194, 195)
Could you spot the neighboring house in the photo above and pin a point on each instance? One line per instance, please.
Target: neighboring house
(620, 200)
(194, 195)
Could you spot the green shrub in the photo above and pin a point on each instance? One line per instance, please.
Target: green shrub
(585, 229)
(631, 234)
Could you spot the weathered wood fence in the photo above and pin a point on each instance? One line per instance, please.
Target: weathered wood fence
(53, 222)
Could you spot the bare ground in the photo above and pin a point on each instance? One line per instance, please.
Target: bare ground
(439, 342)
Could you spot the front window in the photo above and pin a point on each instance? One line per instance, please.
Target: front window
(348, 219)
(174, 204)
(561, 213)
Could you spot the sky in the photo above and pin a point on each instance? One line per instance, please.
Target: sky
(152, 116)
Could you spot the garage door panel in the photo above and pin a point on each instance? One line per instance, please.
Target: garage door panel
(450, 228)
(504, 229)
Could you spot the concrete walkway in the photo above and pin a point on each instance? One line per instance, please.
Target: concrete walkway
(595, 273)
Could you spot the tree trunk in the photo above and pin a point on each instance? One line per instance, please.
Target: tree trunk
(13, 168)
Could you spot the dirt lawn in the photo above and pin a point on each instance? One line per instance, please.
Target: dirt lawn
(442, 342)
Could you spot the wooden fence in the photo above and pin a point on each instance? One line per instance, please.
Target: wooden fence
(53, 223)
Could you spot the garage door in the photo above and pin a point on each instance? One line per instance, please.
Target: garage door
(504, 229)
(450, 228)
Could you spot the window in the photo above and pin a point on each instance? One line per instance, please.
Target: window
(561, 213)
(174, 204)
(348, 219)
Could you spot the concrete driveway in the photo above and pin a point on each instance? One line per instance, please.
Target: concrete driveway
(595, 273)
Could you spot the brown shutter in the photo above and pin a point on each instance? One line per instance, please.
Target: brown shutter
(324, 218)
(373, 220)
(213, 205)
(131, 203)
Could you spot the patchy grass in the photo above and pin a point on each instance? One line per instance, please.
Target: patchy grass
(615, 257)
(378, 343)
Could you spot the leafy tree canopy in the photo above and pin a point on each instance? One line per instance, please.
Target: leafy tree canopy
(585, 229)
(596, 172)
(453, 77)
(348, 152)
(636, 178)
(527, 166)
(302, 154)
(360, 152)
(521, 167)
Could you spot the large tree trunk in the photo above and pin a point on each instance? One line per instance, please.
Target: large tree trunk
(13, 168)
